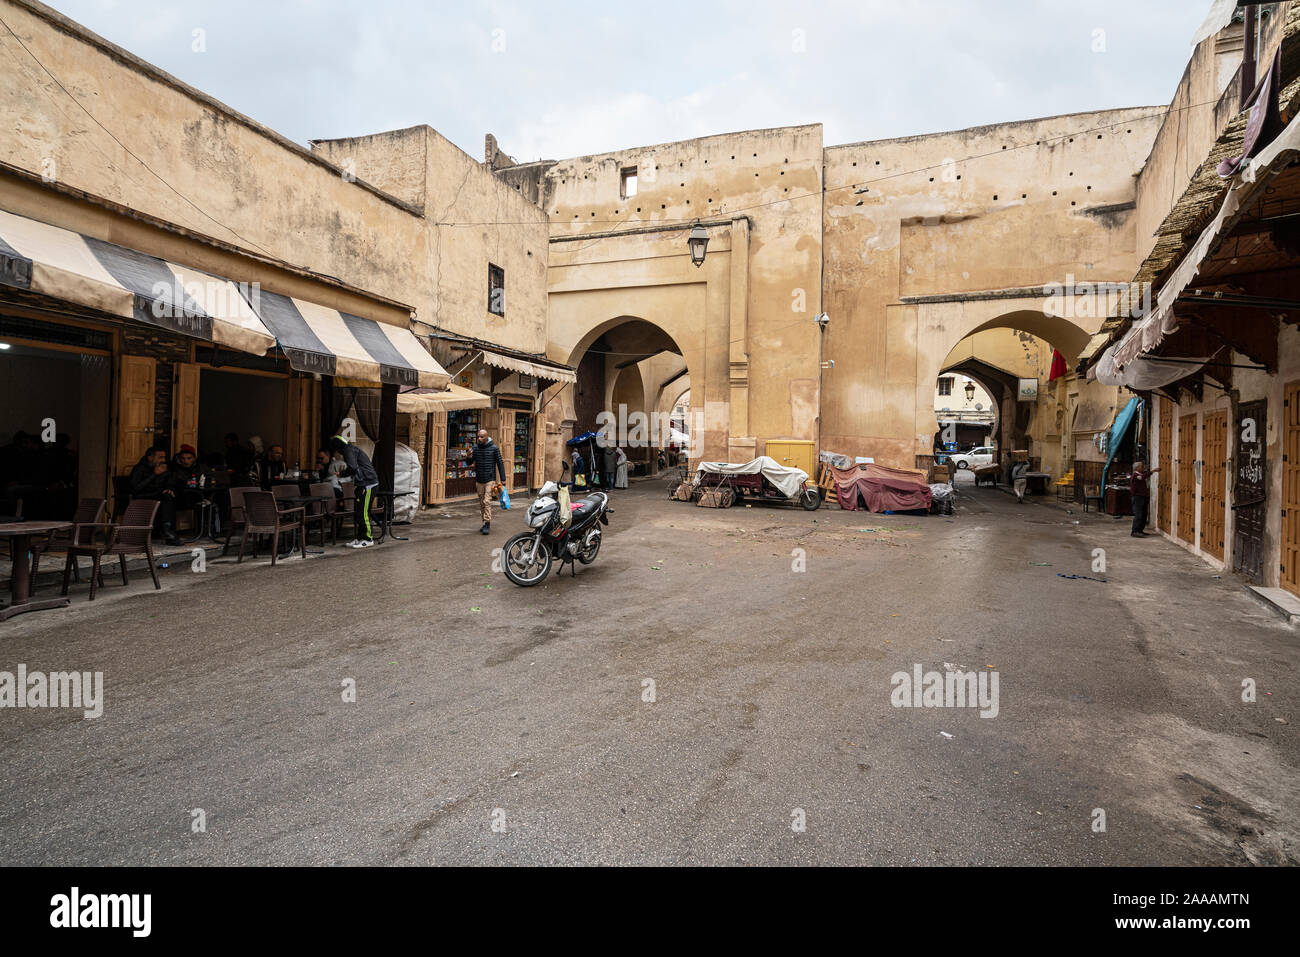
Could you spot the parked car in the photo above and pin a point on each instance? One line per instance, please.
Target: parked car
(984, 455)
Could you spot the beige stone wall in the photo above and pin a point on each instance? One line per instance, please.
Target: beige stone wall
(949, 227)
(742, 319)
(470, 218)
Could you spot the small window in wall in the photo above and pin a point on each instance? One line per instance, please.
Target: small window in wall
(627, 182)
(496, 290)
(945, 385)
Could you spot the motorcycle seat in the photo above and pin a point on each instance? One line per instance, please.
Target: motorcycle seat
(585, 508)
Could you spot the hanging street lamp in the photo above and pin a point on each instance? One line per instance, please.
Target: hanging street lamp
(698, 242)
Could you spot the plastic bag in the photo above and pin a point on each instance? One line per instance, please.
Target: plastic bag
(505, 498)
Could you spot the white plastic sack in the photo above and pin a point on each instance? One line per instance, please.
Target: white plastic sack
(406, 475)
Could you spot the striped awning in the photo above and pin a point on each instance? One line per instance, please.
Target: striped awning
(62, 264)
(90, 272)
(551, 373)
(316, 338)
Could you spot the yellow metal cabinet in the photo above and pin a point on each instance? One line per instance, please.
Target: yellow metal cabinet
(794, 453)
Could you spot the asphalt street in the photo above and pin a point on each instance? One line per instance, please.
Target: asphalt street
(715, 681)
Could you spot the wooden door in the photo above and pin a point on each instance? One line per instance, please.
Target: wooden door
(1249, 489)
(185, 405)
(135, 409)
(1214, 482)
(1186, 464)
(436, 457)
(537, 464)
(1290, 576)
(506, 439)
(494, 421)
(302, 415)
(1165, 477)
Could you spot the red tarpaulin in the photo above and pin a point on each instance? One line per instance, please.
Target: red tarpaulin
(881, 488)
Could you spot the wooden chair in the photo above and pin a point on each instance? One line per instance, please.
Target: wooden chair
(134, 536)
(321, 513)
(89, 513)
(1091, 494)
(261, 517)
(236, 513)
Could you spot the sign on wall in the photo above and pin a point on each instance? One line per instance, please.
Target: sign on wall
(1028, 391)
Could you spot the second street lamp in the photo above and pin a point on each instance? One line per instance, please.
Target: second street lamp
(698, 242)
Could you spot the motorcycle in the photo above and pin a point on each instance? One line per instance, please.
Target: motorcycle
(527, 557)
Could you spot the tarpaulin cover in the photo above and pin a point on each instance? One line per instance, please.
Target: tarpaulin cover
(788, 480)
(881, 488)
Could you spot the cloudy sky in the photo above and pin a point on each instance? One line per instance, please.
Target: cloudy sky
(571, 78)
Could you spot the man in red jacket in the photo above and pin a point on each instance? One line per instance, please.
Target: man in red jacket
(1141, 493)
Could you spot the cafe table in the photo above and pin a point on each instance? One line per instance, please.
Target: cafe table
(386, 522)
(20, 535)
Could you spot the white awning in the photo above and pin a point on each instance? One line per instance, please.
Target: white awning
(448, 400)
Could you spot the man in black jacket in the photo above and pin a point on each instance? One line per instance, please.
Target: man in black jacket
(151, 478)
(358, 467)
(488, 463)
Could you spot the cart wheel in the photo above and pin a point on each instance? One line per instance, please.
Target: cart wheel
(727, 498)
(810, 500)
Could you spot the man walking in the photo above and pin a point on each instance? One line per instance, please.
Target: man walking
(488, 464)
(357, 465)
(1018, 480)
(1141, 493)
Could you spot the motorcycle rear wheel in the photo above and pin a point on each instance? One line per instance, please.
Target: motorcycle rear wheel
(587, 556)
(514, 560)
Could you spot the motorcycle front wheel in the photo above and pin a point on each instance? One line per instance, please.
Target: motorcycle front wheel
(516, 564)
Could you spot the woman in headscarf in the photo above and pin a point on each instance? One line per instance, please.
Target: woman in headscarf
(620, 474)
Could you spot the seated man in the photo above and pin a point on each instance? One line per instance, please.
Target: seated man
(328, 469)
(184, 474)
(271, 467)
(151, 478)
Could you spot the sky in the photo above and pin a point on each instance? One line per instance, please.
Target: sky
(561, 79)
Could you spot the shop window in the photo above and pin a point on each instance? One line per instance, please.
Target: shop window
(945, 385)
(496, 290)
(627, 182)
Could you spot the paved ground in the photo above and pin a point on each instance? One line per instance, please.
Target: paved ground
(478, 702)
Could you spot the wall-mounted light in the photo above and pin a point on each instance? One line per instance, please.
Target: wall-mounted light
(970, 390)
(698, 243)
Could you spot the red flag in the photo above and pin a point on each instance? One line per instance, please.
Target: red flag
(1058, 366)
